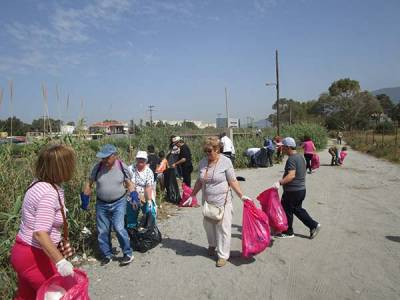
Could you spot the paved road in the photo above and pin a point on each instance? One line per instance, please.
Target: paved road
(355, 256)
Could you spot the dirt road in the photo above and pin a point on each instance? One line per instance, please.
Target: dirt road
(355, 256)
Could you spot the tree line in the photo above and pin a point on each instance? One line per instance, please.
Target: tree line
(343, 107)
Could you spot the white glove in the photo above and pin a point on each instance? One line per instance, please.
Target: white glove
(65, 268)
(276, 185)
(188, 202)
(246, 198)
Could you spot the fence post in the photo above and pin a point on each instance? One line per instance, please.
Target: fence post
(366, 137)
(383, 135)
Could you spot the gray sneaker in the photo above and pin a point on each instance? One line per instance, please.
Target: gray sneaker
(284, 236)
(314, 232)
(126, 260)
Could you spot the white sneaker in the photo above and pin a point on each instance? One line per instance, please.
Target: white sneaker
(284, 236)
(314, 232)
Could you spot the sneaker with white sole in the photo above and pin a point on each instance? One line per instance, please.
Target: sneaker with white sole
(284, 236)
(126, 260)
(314, 232)
(105, 261)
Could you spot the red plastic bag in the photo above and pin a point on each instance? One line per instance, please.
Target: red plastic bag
(315, 161)
(76, 286)
(186, 192)
(255, 232)
(271, 205)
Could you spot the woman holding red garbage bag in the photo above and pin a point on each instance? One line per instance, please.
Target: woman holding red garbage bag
(35, 256)
(216, 179)
(294, 190)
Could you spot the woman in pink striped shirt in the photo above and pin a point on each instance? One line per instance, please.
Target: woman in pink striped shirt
(35, 256)
(309, 150)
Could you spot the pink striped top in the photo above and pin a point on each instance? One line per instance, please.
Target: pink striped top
(41, 212)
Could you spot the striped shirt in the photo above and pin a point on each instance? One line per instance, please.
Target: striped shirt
(41, 212)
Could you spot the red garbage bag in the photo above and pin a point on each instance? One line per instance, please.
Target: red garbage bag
(315, 161)
(255, 231)
(186, 192)
(271, 205)
(73, 287)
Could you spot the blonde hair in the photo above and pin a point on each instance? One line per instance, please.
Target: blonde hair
(212, 142)
(55, 164)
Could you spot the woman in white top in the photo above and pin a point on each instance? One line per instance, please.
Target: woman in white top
(143, 180)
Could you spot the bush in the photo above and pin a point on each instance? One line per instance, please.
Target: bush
(387, 127)
(316, 132)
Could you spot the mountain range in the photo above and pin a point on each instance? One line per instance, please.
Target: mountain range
(393, 93)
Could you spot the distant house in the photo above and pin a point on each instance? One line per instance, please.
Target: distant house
(67, 129)
(109, 127)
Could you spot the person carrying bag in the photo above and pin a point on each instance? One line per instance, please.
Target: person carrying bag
(216, 178)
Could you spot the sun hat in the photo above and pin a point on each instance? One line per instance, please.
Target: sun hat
(141, 155)
(106, 151)
(289, 142)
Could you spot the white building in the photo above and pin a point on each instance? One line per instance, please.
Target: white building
(199, 124)
(67, 129)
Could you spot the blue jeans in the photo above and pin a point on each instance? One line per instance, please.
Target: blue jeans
(133, 214)
(112, 214)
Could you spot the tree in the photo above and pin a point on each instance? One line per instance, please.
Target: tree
(386, 103)
(48, 125)
(19, 127)
(395, 115)
(71, 123)
(344, 88)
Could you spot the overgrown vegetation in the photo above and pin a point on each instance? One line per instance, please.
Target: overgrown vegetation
(385, 146)
(16, 163)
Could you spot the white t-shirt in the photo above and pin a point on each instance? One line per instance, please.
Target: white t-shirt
(228, 145)
(251, 151)
(142, 179)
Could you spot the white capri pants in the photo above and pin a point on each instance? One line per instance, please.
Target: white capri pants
(219, 234)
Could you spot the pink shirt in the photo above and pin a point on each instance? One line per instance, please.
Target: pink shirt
(342, 156)
(41, 212)
(308, 147)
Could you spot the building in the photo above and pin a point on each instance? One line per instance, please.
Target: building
(109, 127)
(67, 129)
(199, 124)
(233, 123)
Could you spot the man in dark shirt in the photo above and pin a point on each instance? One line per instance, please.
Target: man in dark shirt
(152, 160)
(294, 190)
(184, 160)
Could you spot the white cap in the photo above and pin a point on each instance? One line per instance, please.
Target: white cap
(141, 155)
(176, 139)
(289, 142)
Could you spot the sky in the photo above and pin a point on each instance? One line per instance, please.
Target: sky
(113, 58)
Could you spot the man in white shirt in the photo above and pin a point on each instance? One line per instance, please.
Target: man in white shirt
(228, 149)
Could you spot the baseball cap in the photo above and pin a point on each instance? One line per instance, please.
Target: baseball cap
(289, 142)
(106, 151)
(141, 155)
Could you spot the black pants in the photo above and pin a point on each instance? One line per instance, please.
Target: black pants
(230, 156)
(292, 204)
(187, 175)
(270, 154)
(308, 157)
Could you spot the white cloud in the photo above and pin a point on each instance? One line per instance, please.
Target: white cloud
(262, 6)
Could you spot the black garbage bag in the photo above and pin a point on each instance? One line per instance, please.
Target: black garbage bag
(261, 158)
(171, 185)
(147, 238)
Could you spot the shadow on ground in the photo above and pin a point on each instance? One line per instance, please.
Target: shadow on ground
(393, 238)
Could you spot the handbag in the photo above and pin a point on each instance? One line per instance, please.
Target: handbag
(64, 246)
(211, 211)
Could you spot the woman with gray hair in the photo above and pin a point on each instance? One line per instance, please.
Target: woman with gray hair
(216, 180)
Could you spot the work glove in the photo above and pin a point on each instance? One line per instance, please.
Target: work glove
(65, 268)
(84, 201)
(244, 198)
(135, 198)
(276, 185)
(188, 202)
(149, 206)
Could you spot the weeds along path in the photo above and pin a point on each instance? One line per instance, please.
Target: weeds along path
(355, 256)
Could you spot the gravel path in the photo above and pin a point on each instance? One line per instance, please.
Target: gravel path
(355, 256)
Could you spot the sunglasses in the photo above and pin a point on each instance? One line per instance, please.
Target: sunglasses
(208, 150)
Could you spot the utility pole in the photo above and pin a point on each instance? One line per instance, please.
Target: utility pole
(226, 106)
(151, 110)
(11, 106)
(277, 93)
